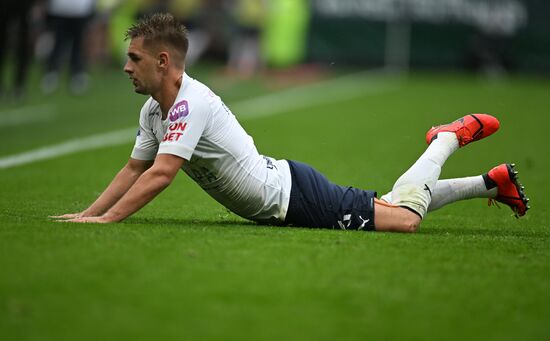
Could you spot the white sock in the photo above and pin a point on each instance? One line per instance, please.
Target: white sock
(414, 189)
(452, 190)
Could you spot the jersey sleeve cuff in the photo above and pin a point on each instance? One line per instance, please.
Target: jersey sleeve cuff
(178, 150)
(141, 154)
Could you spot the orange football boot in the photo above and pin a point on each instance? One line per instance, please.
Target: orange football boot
(469, 128)
(510, 191)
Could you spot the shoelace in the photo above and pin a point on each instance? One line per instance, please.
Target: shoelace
(494, 202)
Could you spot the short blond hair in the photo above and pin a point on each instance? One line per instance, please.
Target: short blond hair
(160, 29)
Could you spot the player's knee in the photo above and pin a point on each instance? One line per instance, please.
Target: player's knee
(395, 219)
(411, 223)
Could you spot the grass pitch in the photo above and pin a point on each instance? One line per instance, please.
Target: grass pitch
(184, 268)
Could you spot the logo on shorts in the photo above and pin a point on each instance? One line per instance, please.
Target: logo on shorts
(345, 222)
(179, 110)
(364, 223)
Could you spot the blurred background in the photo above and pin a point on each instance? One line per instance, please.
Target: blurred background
(64, 41)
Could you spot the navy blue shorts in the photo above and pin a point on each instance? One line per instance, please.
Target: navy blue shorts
(317, 202)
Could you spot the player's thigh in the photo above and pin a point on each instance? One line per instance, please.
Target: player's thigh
(392, 218)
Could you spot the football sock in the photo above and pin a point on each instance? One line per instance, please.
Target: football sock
(451, 190)
(414, 189)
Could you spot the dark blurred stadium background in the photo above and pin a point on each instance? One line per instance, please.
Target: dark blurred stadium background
(251, 36)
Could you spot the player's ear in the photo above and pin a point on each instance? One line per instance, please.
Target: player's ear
(163, 59)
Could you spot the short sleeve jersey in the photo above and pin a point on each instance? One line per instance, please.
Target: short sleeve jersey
(220, 156)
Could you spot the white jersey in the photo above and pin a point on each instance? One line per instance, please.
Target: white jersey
(220, 156)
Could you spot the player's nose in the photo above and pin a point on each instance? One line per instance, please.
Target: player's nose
(127, 68)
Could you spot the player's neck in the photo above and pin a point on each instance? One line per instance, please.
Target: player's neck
(168, 93)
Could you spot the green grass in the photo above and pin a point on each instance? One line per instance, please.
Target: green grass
(185, 268)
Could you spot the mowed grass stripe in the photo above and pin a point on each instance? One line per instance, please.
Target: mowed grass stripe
(329, 91)
(23, 115)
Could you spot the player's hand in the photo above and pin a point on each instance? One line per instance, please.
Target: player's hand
(96, 220)
(66, 216)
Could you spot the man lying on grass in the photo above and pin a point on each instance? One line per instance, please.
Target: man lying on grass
(184, 125)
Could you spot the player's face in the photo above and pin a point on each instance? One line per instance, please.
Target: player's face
(142, 68)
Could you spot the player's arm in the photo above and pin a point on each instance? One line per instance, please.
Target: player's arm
(148, 186)
(120, 184)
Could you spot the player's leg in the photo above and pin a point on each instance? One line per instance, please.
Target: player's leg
(500, 184)
(4, 23)
(391, 218)
(79, 81)
(315, 202)
(50, 80)
(414, 189)
(23, 48)
(451, 190)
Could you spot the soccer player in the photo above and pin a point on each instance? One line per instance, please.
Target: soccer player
(184, 125)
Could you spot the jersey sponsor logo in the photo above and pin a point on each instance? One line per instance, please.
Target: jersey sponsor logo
(180, 110)
(177, 126)
(175, 132)
(171, 137)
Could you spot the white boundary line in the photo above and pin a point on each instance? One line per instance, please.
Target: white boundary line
(330, 91)
(69, 147)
